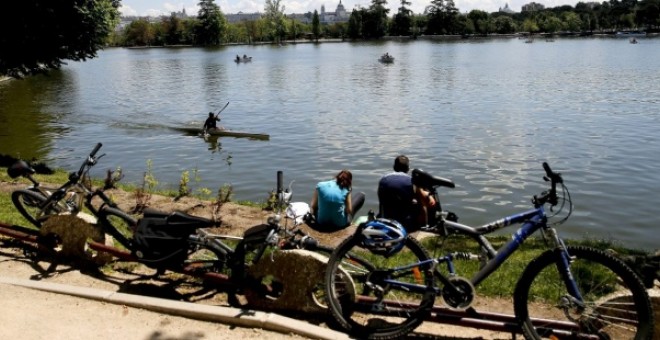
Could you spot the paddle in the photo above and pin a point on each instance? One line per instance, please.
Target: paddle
(216, 117)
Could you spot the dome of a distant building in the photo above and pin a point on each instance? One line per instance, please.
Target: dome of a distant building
(506, 9)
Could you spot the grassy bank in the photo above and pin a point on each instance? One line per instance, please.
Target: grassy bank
(500, 284)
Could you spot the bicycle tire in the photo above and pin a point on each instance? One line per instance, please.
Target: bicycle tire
(119, 224)
(617, 304)
(28, 203)
(360, 312)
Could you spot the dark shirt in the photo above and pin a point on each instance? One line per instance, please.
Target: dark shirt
(396, 197)
(210, 123)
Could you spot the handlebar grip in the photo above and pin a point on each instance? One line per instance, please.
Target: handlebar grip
(280, 176)
(96, 149)
(547, 169)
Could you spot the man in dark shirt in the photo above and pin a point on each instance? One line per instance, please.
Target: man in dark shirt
(210, 122)
(399, 199)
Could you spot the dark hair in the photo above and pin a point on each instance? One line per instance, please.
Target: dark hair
(344, 179)
(401, 164)
(210, 114)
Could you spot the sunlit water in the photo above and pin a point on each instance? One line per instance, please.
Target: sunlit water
(484, 114)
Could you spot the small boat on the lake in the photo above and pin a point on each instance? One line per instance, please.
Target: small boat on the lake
(244, 59)
(386, 58)
(222, 132)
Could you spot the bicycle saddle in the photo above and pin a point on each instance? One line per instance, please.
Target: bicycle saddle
(425, 180)
(20, 168)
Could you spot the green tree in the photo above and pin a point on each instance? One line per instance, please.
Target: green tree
(649, 13)
(481, 21)
(316, 26)
(402, 21)
(36, 36)
(374, 20)
(139, 33)
(443, 16)
(211, 25)
(354, 30)
(274, 16)
(173, 29)
(504, 25)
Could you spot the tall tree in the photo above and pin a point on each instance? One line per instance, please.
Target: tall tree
(402, 20)
(442, 16)
(316, 25)
(211, 25)
(375, 19)
(274, 15)
(36, 36)
(355, 24)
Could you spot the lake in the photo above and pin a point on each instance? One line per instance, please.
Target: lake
(483, 113)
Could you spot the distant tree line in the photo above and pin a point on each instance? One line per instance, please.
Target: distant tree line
(440, 17)
(40, 35)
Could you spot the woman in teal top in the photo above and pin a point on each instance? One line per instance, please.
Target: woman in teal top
(333, 204)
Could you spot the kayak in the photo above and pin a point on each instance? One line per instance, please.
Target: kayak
(224, 133)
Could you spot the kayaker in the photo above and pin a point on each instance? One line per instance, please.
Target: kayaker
(210, 122)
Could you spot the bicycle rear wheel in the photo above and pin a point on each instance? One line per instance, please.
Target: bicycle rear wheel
(371, 301)
(615, 302)
(29, 203)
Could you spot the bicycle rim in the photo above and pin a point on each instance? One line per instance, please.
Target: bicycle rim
(29, 204)
(364, 304)
(615, 302)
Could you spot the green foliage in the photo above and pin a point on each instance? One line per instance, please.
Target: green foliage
(316, 26)
(37, 36)
(274, 18)
(183, 185)
(211, 26)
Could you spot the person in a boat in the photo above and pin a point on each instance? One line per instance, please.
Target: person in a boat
(400, 200)
(210, 122)
(245, 56)
(238, 58)
(334, 204)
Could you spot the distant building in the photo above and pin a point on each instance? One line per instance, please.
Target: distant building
(339, 15)
(180, 15)
(240, 16)
(506, 9)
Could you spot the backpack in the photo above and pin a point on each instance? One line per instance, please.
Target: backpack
(159, 243)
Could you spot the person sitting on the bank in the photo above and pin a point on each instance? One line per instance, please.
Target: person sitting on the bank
(333, 204)
(400, 200)
(210, 123)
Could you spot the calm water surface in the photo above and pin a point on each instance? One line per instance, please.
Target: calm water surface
(485, 114)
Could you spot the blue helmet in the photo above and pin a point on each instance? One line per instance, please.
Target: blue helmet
(383, 237)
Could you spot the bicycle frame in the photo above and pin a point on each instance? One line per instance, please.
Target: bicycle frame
(531, 221)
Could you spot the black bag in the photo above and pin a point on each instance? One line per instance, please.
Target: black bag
(159, 243)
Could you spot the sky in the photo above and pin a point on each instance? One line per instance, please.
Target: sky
(162, 7)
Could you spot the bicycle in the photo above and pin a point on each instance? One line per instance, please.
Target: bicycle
(596, 294)
(37, 203)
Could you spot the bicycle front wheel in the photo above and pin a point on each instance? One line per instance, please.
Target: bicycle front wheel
(385, 299)
(31, 205)
(119, 224)
(614, 303)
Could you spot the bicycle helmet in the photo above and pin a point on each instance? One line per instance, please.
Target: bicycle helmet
(383, 237)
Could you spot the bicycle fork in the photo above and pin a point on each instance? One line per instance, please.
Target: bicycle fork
(563, 262)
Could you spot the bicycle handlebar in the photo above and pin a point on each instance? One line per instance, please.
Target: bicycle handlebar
(550, 196)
